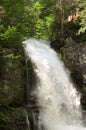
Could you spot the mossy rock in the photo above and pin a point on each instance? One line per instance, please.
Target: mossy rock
(12, 81)
(13, 118)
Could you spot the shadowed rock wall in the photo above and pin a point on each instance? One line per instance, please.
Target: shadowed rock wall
(74, 56)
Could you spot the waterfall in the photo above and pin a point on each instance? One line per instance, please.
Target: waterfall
(57, 98)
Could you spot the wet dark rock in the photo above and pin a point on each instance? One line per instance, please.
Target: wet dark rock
(75, 59)
(74, 56)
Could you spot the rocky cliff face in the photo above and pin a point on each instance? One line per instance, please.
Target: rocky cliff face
(74, 56)
(11, 77)
(13, 114)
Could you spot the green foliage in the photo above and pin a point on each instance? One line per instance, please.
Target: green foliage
(82, 6)
(39, 19)
(14, 22)
(45, 18)
(12, 118)
(81, 21)
(9, 35)
(51, 19)
(5, 119)
(12, 56)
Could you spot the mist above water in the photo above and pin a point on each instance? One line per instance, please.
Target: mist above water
(58, 100)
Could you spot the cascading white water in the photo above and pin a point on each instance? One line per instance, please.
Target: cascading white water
(58, 100)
